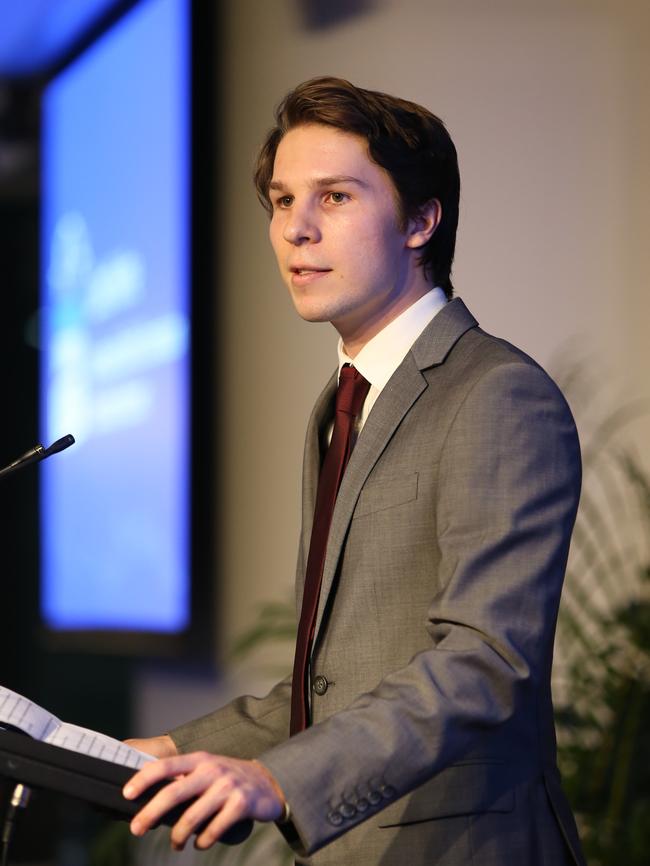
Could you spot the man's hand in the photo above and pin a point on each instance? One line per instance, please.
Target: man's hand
(159, 747)
(227, 790)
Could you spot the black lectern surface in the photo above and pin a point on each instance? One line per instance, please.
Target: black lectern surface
(40, 765)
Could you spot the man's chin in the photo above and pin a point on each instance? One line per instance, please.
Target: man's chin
(311, 314)
(313, 317)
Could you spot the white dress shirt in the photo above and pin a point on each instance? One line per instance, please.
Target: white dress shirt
(382, 355)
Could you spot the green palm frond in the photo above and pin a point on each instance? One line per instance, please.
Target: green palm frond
(603, 646)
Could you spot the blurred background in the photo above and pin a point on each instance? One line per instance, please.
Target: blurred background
(147, 571)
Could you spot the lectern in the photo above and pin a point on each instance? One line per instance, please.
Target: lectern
(40, 765)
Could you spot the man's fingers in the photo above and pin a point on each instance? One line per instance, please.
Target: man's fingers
(210, 802)
(171, 795)
(157, 771)
(233, 810)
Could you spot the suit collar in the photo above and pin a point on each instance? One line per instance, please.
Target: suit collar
(439, 337)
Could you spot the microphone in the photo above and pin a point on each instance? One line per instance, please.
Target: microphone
(38, 453)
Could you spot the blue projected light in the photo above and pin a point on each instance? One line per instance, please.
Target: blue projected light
(115, 329)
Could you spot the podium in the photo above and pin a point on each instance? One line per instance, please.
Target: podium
(40, 765)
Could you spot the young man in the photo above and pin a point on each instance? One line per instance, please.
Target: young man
(431, 563)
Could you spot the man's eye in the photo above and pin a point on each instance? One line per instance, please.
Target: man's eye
(337, 197)
(284, 201)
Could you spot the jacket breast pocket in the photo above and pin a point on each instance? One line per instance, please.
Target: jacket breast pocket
(462, 789)
(386, 493)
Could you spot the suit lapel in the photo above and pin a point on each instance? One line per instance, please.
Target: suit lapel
(321, 413)
(399, 395)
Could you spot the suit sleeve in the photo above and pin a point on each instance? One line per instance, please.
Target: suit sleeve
(508, 488)
(243, 728)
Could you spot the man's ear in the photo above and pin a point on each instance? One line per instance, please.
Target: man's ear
(421, 227)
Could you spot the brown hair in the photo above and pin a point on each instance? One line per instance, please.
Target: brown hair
(405, 139)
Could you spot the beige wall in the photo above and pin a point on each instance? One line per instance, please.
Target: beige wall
(548, 105)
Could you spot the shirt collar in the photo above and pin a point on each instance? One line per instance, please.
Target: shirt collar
(382, 355)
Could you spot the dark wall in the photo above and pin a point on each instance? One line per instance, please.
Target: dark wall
(18, 432)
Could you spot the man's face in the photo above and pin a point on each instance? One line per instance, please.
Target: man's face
(335, 232)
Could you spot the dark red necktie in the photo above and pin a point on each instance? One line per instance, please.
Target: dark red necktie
(350, 396)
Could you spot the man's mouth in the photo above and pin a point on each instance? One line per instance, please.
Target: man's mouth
(299, 270)
(304, 276)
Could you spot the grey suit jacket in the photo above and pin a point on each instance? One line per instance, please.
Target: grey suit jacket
(432, 739)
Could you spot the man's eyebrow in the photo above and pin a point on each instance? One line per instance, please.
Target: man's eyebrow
(322, 181)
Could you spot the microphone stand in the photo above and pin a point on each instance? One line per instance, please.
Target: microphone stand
(19, 800)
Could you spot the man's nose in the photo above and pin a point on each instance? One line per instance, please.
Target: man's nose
(301, 227)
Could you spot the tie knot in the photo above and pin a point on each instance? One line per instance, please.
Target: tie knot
(352, 391)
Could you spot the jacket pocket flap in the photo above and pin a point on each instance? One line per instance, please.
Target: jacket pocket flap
(387, 493)
(462, 789)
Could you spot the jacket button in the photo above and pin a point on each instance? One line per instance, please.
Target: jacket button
(374, 797)
(347, 810)
(320, 684)
(335, 817)
(387, 791)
